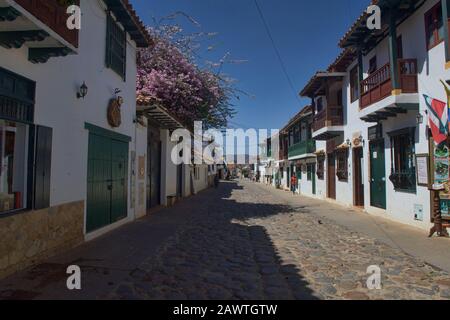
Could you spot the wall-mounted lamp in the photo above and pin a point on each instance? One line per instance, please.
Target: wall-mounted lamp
(349, 142)
(82, 93)
(361, 140)
(419, 118)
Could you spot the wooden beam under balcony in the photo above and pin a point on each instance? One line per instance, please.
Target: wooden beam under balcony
(397, 110)
(41, 55)
(8, 14)
(16, 39)
(386, 114)
(371, 118)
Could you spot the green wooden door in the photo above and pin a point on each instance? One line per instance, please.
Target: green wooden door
(99, 183)
(107, 182)
(377, 174)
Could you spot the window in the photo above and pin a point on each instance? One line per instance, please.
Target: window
(354, 84)
(310, 171)
(297, 134)
(403, 171)
(434, 26)
(373, 65)
(321, 167)
(25, 150)
(342, 165)
(13, 165)
(339, 98)
(116, 47)
(319, 105)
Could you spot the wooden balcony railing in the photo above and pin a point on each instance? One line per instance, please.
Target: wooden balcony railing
(332, 116)
(53, 14)
(379, 84)
(302, 148)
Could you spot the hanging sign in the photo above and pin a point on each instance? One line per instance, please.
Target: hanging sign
(441, 167)
(422, 167)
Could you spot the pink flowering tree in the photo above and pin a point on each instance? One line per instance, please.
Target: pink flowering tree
(168, 75)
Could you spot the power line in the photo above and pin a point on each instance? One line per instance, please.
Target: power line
(280, 59)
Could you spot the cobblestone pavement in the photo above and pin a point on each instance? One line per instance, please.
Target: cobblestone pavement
(248, 244)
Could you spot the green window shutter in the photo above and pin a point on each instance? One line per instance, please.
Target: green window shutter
(116, 47)
(42, 165)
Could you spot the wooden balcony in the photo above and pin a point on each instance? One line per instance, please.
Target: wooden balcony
(53, 15)
(378, 85)
(41, 25)
(330, 117)
(302, 148)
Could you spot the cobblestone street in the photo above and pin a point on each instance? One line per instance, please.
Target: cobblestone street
(249, 245)
(243, 241)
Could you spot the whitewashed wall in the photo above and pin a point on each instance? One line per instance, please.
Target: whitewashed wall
(57, 82)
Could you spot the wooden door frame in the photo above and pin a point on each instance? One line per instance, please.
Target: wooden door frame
(110, 135)
(328, 176)
(356, 152)
(378, 140)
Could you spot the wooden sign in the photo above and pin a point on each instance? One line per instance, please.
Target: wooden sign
(114, 114)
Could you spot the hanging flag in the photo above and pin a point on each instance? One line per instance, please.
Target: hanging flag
(437, 118)
(447, 91)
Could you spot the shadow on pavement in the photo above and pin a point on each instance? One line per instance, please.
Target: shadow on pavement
(201, 248)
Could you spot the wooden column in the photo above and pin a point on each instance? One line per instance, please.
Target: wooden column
(444, 6)
(396, 87)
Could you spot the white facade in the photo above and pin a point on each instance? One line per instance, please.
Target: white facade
(58, 107)
(400, 206)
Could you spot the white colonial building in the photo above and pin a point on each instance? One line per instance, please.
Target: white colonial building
(67, 125)
(370, 116)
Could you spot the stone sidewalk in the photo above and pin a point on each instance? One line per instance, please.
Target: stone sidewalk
(242, 241)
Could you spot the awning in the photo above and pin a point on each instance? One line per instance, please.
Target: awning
(159, 115)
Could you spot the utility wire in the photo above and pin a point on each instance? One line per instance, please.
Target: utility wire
(280, 59)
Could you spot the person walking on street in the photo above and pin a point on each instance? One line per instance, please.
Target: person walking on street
(293, 184)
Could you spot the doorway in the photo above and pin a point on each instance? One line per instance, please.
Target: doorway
(358, 165)
(331, 176)
(377, 174)
(154, 169)
(107, 186)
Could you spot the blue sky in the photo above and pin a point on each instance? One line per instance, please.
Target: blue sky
(306, 34)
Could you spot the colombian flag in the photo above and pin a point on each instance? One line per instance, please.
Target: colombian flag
(438, 116)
